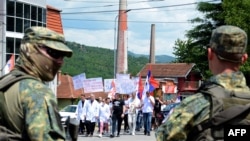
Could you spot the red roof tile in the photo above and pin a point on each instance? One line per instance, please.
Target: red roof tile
(54, 21)
(164, 70)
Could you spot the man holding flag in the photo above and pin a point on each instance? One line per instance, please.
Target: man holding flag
(147, 110)
(148, 102)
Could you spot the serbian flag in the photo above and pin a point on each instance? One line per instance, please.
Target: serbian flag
(139, 88)
(151, 83)
(9, 65)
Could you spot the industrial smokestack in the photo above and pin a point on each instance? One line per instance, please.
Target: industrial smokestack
(121, 57)
(152, 45)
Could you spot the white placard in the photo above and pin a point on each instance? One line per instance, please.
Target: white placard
(122, 76)
(125, 86)
(93, 85)
(108, 84)
(78, 81)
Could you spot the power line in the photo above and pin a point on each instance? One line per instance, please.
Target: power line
(87, 28)
(124, 21)
(136, 9)
(89, 7)
(111, 1)
(3, 14)
(113, 4)
(90, 1)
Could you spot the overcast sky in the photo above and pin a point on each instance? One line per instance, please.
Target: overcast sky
(89, 22)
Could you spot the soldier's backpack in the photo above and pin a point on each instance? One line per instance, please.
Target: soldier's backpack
(5, 82)
(228, 108)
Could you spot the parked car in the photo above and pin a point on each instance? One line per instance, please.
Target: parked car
(68, 111)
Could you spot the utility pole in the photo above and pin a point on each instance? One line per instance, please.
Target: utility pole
(121, 57)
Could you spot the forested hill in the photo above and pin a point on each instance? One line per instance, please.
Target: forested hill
(99, 62)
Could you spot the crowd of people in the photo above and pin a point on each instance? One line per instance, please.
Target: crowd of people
(108, 114)
(29, 108)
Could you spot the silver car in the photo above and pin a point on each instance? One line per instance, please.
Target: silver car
(68, 111)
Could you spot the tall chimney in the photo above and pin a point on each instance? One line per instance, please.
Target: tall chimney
(121, 57)
(152, 45)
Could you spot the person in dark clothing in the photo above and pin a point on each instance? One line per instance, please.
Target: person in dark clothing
(126, 127)
(157, 112)
(118, 110)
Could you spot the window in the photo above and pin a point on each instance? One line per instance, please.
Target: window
(19, 25)
(19, 9)
(26, 24)
(9, 45)
(44, 16)
(26, 11)
(11, 8)
(12, 46)
(39, 24)
(10, 23)
(33, 13)
(33, 23)
(17, 48)
(21, 16)
(40, 14)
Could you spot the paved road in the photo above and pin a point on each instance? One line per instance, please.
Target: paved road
(139, 136)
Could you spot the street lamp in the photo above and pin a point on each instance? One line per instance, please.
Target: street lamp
(115, 41)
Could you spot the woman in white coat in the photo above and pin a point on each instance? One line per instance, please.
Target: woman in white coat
(104, 114)
(133, 105)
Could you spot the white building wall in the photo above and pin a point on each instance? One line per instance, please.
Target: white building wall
(4, 34)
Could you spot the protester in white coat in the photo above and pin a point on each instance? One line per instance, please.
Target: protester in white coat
(133, 105)
(80, 107)
(91, 113)
(104, 115)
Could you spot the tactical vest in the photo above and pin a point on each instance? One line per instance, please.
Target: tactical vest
(228, 108)
(6, 82)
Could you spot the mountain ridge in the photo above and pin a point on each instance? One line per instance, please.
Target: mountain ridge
(158, 58)
(99, 62)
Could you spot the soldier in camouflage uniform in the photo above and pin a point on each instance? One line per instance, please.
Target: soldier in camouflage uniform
(226, 53)
(31, 107)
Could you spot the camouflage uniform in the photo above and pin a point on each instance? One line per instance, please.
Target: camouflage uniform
(31, 106)
(196, 108)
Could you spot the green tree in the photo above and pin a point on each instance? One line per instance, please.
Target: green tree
(229, 12)
(192, 50)
(236, 12)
